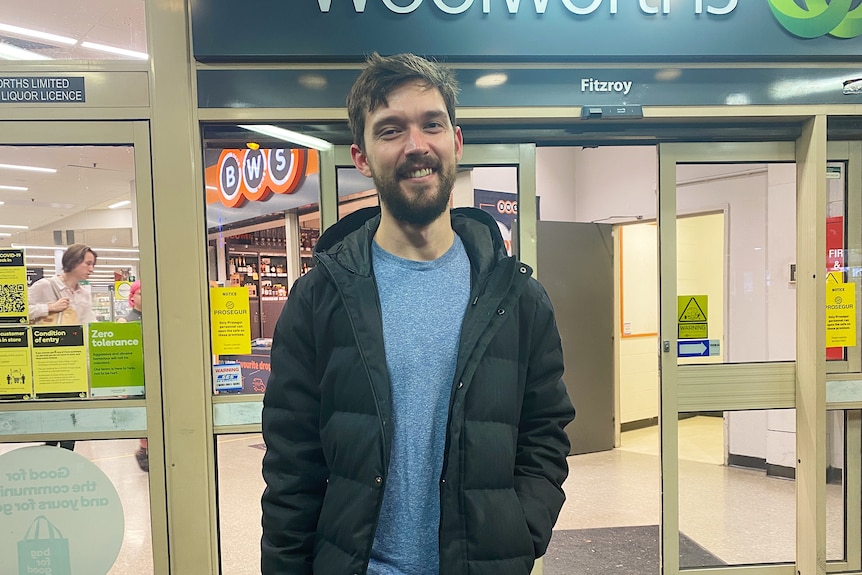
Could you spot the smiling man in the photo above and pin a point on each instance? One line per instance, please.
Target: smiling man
(414, 418)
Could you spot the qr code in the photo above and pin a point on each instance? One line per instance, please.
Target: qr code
(12, 298)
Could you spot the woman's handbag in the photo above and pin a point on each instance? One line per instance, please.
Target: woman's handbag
(66, 317)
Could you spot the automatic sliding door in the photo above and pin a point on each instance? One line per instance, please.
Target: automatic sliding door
(735, 357)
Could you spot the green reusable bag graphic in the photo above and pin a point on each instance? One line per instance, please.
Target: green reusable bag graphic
(43, 550)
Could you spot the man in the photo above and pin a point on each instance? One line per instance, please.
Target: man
(414, 417)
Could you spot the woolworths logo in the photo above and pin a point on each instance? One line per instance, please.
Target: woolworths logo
(819, 17)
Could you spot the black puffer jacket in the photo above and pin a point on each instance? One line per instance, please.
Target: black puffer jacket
(326, 415)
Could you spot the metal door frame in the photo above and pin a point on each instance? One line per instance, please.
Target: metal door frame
(108, 418)
(777, 385)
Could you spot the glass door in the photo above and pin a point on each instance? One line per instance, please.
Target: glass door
(80, 408)
(743, 305)
(498, 178)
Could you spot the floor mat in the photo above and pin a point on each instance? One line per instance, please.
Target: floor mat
(617, 550)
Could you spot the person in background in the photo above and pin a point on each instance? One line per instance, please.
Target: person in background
(414, 418)
(65, 291)
(134, 313)
(142, 455)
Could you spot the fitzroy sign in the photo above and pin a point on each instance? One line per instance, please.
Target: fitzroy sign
(528, 29)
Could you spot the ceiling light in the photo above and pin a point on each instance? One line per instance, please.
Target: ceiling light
(27, 168)
(119, 204)
(290, 136)
(14, 188)
(312, 81)
(14, 227)
(115, 50)
(668, 74)
(10, 52)
(491, 80)
(36, 34)
(95, 249)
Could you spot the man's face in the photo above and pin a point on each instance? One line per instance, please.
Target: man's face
(412, 152)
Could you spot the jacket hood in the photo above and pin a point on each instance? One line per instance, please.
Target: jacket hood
(474, 226)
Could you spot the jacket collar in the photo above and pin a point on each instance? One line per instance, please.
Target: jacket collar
(348, 242)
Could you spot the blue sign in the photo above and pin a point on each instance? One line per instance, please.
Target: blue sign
(698, 347)
(523, 30)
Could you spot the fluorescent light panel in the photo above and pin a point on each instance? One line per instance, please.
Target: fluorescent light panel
(95, 249)
(27, 168)
(115, 50)
(13, 227)
(290, 136)
(119, 204)
(10, 52)
(37, 34)
(14, 188)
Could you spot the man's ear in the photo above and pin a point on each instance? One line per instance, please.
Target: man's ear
(360, 160)
(459, 143)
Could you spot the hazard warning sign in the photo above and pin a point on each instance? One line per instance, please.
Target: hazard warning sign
(692, 316)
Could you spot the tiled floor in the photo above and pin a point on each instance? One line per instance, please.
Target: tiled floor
(742, 516)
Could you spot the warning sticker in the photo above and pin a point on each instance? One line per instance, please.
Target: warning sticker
(692, 317)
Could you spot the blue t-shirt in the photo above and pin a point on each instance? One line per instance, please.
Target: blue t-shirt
(423, 306)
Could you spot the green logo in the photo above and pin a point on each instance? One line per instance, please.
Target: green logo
(819, 18)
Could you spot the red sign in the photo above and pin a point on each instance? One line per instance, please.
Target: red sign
(254, 175)
(835, 263)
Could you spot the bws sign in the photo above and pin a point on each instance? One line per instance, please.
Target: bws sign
(254, 175)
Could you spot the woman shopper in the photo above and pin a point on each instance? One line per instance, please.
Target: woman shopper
(63, 299)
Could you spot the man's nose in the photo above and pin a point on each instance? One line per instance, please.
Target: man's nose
(417, 141)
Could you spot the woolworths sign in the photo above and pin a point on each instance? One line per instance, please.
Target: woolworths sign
(581, 8)
(528, 30)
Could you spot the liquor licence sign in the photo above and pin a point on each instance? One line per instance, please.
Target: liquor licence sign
(42, 90)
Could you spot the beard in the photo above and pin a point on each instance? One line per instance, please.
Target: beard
(419, 208)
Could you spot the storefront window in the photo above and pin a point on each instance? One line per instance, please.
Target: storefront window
(60, 30)
(263, 221)
(68, 265)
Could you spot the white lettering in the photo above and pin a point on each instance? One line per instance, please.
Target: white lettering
(402, 9)
(465, 5)
(229, 177)
(647, 9)
(252, 167)
(582, 11)
(358, 5)
(731, 6)
(514, 7)
(280, 162)
(593, 85)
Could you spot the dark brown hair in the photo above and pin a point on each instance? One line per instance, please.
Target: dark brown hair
(74, 255)
(382, 74)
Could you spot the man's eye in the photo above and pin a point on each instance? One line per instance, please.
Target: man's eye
(435, 126)
(388, 133)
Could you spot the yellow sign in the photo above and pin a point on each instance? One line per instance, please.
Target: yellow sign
(59, 360)
(13, 287)
(692, 322)
(16, 377)
(230, 320)
(840, 313)
(122, 289)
